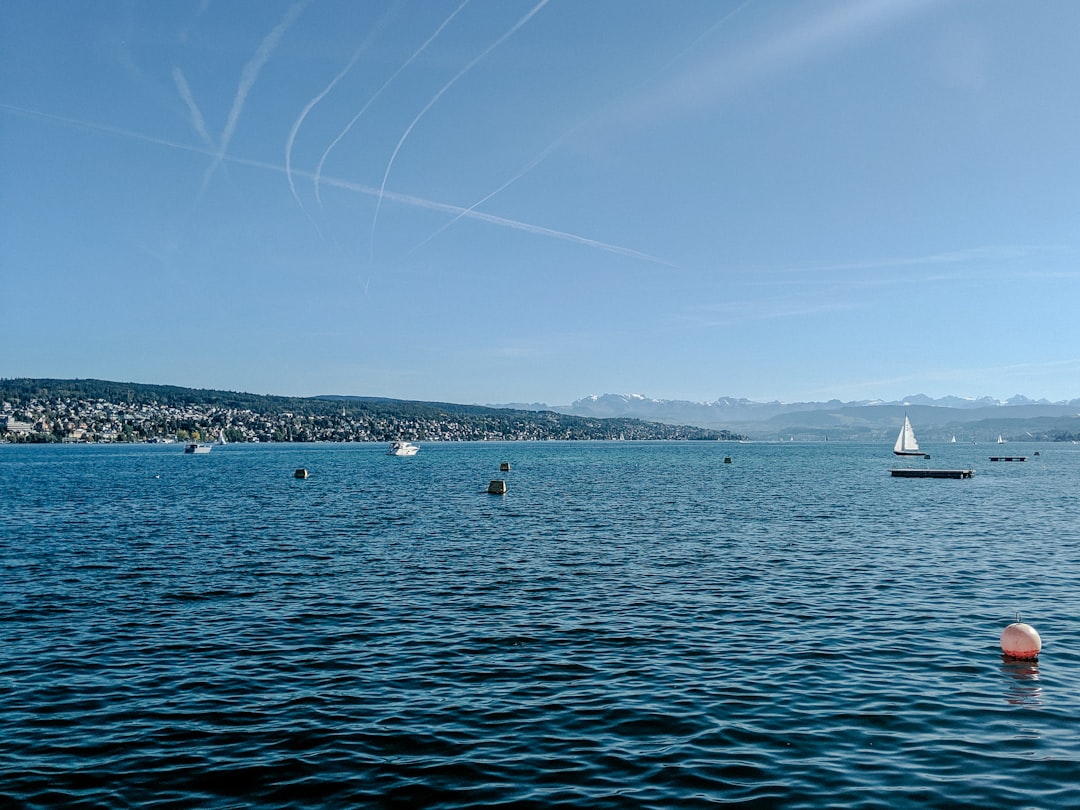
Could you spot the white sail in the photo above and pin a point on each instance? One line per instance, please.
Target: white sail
(906, 443)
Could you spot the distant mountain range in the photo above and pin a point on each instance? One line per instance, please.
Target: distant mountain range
(126, 406)
(968, 419)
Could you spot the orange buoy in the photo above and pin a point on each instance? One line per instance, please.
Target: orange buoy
(1020, 640)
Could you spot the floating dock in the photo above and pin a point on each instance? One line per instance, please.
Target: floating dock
(915, 472)
(1008, 458)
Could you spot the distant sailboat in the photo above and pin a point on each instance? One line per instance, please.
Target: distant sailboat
(221, 437)
(906, 444)
(952, 440)
(1000, 439)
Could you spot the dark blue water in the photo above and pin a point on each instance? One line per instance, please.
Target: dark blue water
(631, 625)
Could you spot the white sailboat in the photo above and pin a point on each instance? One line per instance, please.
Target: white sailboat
(221, 437)
(906, 444)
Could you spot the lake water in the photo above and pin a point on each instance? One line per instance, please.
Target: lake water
(631, 625)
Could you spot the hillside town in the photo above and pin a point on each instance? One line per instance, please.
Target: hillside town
(73, 419)
(103, 422)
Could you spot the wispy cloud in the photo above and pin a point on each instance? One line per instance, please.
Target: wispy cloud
(382, 188)
(732, 312)
(370, 101)
(1010, 379)
(958, 256)
(248, 76)
(933, 266)
(830, 26)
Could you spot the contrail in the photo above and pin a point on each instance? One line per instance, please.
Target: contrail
(404, 199)
(197, 120)
(528, 167)
(105, 128)
(435, 98)
(311, 104)
(247, 80)
(420, 50)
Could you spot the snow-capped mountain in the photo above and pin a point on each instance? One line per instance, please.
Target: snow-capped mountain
(861, 419)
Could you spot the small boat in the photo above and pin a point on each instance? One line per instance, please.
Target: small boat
(402, 449)
(1001, 440)
(221, 437)
(906, 444)
(197, 449)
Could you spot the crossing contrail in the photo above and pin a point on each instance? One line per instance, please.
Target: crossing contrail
(370, 101)
(378, 28)
(528, 167)
(538, 230)
(359, 188)
(382, 188)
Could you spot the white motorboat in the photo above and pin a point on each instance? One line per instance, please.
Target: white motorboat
(402, 449)
(197, 449)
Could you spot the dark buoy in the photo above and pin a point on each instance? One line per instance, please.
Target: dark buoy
(497, 487)
(300, 473)
(504, 467)
(727, 459)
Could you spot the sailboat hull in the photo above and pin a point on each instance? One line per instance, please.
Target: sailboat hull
(906, 444)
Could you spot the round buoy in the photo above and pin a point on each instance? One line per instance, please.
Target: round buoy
(1020, 640)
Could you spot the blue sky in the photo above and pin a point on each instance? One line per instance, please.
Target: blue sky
(516, 200)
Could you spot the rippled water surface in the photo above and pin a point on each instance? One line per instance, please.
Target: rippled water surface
(631, 625)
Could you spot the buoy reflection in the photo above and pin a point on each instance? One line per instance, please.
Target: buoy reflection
(1023, 688)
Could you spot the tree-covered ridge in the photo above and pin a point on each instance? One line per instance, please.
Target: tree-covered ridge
(101, 410)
